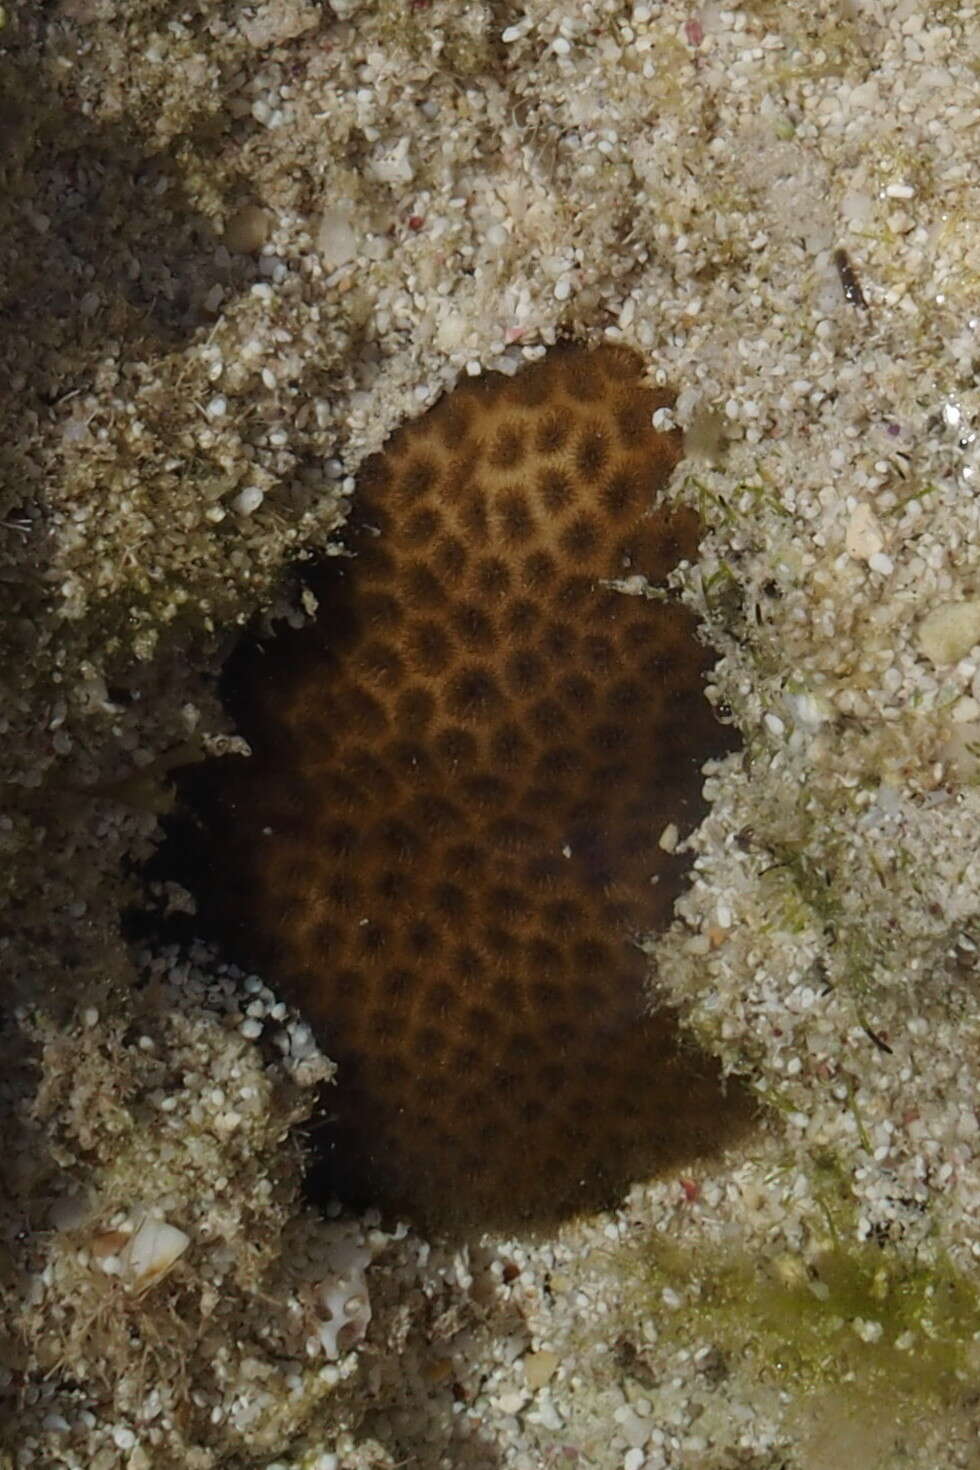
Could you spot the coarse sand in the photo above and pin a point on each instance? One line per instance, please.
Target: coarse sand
(238, 246)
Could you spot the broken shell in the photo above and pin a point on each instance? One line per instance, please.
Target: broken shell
(108, 1244)
(152, 1250)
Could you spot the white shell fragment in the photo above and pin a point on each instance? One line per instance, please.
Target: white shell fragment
(950, 631)
(863, 539)
(336, 240)
(344, 1294)
(153, 1249)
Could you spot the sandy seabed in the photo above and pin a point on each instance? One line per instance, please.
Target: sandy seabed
(239, 245)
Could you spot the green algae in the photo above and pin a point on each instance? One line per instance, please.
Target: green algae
(874, 1318)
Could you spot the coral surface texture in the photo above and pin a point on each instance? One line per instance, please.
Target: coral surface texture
(448, 837)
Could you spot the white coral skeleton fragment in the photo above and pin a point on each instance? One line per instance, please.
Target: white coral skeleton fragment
(344, 1294)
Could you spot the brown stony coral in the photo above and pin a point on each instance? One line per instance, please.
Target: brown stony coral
(447, 837)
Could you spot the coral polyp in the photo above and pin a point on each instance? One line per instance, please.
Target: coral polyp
(448, 835)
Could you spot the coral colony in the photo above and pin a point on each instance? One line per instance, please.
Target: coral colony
(451, 829)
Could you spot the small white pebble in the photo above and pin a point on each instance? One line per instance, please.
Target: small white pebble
(247, 501)
(966, 710)
(950, 631)
(337, 240)
(881, 563)
(251, 1029)
(218, 407)
(863, 538)
(669, 837)
(868, 1331)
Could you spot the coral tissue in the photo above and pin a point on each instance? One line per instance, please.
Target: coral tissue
(447, 838)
